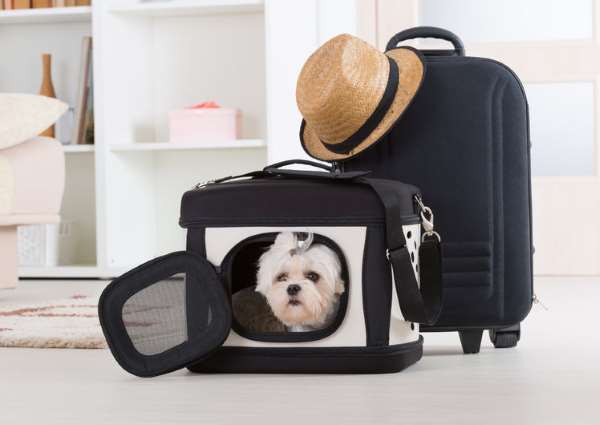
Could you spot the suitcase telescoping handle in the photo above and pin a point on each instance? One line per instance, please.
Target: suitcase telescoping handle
(428, 32)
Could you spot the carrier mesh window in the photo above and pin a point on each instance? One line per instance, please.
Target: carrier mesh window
(155, 318)
(281, 290)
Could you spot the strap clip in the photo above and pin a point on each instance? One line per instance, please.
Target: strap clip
(427, 220)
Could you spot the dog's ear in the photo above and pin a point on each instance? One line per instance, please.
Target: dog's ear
(339, 286)
(263, 280)
(264, 273)
(286, 240)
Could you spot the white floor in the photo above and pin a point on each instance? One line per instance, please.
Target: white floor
(553, 377)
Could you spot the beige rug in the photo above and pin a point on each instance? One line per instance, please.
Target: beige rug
(71, 322)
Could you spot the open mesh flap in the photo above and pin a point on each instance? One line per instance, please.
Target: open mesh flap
(155, 317)
(165, 314)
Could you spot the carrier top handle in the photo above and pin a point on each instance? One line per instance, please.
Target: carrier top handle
(429, 32)
(297, 161)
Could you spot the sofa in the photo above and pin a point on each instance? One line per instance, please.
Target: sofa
(32, 173)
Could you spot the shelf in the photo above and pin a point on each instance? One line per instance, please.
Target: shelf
(46, 16)
(78, 148)
(189, 7)
(67, 272)
(234, 144)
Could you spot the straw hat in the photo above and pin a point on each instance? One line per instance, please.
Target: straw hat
(350, 95)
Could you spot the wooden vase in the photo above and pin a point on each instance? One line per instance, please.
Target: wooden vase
(47, 89)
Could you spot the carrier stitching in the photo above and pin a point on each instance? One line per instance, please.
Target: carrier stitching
(324, 352)
(346, 217)
(364, 291)
(244, 221)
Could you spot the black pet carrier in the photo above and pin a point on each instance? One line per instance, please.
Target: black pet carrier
(177, 311)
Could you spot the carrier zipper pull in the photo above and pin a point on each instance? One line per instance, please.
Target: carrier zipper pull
(537, 301)
(202, 185)
(337, 167)
(225, 179)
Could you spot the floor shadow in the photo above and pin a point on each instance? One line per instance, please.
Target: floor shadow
(442, 351)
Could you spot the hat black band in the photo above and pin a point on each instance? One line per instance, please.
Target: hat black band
(373, 121)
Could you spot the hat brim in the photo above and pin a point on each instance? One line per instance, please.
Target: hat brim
(412, 70)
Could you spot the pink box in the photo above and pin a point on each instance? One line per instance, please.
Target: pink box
(204, 124)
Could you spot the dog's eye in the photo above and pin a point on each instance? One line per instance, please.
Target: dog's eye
(312, 276)
(281, 277)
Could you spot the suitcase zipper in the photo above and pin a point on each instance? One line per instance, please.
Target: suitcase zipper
(537, 301)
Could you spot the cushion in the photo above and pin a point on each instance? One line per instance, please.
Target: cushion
(7, 186)
(28, 196)
(23, 116)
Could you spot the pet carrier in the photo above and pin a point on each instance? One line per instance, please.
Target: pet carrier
(176, 310)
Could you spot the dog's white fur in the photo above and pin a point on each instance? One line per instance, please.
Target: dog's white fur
(315, 268)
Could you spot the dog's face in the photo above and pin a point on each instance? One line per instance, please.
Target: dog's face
(302, 282)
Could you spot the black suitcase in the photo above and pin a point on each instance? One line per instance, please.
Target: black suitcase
(465, 142)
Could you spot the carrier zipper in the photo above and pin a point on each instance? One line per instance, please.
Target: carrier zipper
(304, 221)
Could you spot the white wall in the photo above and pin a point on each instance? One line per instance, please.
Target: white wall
(292, 27)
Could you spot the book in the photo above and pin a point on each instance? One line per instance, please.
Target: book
(88, 128)
(22, 4)
(8, 4)
(83, 92)
(59, 3)
(41, 4)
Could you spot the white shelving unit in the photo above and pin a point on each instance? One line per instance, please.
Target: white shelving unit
(123, 193)
(187, 7)
(234, 144)
(78, 148)
(46, 16)
(68, 272)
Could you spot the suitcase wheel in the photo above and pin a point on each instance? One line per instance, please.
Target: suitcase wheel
(506, 337)
(470, 340)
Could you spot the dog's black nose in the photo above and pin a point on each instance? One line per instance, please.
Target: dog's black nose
(293, 289)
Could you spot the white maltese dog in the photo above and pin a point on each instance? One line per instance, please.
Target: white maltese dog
(301, 281)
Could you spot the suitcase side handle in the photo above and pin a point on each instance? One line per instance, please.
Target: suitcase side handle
(428, 32)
